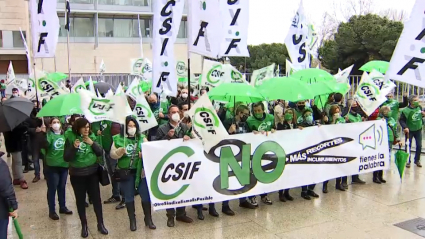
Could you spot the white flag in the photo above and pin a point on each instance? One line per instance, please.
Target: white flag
(108, 94)
(78, 86)
(10, 74)
(27, 52)
(119, 90)
(63, 87)
(385, 85)
(102, 67)
(44, 27)
(368, 95)
(407, 63)
(20, 84)
(290, 69)
(258, 76)
(91, 86)
(234, 31)
(140, 36)
(144, 114)
(166, 23)
(344, 75)
(206, 124)
(181, 69)
(214, 73)
(135, 89)
(205, 28)
(297, 39)
(48, 88)
(114, 108)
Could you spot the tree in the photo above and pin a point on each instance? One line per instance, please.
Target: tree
(360, 40)
(261, 56)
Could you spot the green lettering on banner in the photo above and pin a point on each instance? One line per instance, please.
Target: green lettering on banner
(260, 174)
(227, 159)
(155, 174)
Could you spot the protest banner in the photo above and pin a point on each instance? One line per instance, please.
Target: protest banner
(181, 173)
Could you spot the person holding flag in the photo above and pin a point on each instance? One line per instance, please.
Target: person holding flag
(411, 122)
(395, 105)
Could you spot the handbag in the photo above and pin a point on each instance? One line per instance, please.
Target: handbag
(103, 175)
(121, 175)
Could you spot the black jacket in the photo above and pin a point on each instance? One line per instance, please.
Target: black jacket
(7, 193)
(285, 126)
(14, 140)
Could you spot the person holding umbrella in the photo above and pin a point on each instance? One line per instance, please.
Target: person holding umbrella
(7, 198)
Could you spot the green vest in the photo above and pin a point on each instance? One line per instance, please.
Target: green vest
(394, 106)
(55, 149)
(130, 145)
(340, 120)
(258, 125)
(85, 156)
(299, 114)
(354, 118)
(413, 117)
(392, 129)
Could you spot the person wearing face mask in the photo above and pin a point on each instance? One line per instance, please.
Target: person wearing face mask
(262, 123)
(15, 93)
(127, 149)
(336, 118)
(393, 138)
(338, 100)
(34, 136)
(174, 129)
(82, 152)
(183, 96)
(395, 105)
(53, 144)
(301, 107)
(411, 123)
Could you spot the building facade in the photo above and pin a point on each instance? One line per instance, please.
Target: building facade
(100, 30)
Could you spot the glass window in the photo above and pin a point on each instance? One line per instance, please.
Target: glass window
(124, 2)
(144, 26)
(1, 39)
(106, 27)
(183, 30)
(17, 39)
(79, 27)
(123, 27)
(78, 1)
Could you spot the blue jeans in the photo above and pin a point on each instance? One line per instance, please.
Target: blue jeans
(3, 227)
(128, 189)
(56, 182)
(418, 140)
(36, 161)
(110, 165)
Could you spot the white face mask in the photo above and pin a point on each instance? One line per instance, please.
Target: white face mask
(131, 131)
(184, 95)
(15, 94)
(176, 117)
(56, 127)
(337, 115)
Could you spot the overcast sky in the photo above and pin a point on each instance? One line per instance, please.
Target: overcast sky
(270, 19)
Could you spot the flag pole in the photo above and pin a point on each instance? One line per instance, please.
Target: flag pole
(54, 63)
(188, 79)
(67, 27)
(140, 37)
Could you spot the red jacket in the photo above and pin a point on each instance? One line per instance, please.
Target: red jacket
(374, 115)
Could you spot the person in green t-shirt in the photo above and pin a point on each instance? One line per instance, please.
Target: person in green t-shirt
(127, 149)
(82, 152)
(411, 122)
(56, 168)
(393, 138)
(395, 105)
(262, 123)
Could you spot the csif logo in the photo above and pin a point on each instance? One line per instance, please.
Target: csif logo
(215, 74)
(129, 149)
(236, 76)
(181, 68)
(143, 113)
(183, 171)
(47, 87)
(368, 91)
(100, 106)
(59, 144)
(79, 87)
(204, 118)
(137, 90)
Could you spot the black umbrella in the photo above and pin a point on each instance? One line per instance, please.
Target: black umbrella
(13, 112)
(103, 87)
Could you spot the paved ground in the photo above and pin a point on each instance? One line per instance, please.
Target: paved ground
(364, 211)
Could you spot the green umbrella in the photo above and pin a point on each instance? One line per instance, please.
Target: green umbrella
(381, 66)
(235, 92)
(286, 88)
(328, 87)
(56, 76)
(16, 224)
(183, 79)
(313, 75)
(68, 104)
(400, 161)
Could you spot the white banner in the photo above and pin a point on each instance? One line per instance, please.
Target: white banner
(234, 38)
(78, 86)
(166, 23)
(205, 27)
(44, 27)
(297, 40)
(407, 62)
(246, 164)
(258, 76)
(344, 75)
(214, 73)
(144, 114)
(206, 125)
(114, 108)
(368, 95)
